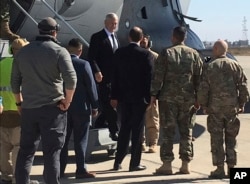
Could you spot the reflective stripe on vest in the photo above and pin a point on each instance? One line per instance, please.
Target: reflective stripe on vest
(5, 88)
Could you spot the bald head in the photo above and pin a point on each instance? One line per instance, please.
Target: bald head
(220, 48)
(136, 34)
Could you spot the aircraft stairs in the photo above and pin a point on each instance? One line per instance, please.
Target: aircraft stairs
(98, 137)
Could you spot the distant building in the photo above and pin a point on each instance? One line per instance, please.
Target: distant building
(239, 43)
(208, 44)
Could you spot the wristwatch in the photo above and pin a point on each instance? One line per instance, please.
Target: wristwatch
(18, 104)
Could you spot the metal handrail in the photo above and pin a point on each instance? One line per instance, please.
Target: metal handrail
(57, 15)
(24, 11)
(66, 23)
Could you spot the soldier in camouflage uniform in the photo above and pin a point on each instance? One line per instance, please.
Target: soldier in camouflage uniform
(176, 80)
(6, 33)
(222, 95)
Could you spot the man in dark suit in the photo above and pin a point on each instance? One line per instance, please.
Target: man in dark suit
(83, 105)
(131, 88)
(101, 50)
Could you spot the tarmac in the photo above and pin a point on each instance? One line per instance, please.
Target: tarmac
(201, 166)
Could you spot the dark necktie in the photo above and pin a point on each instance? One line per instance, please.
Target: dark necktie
(115, 46)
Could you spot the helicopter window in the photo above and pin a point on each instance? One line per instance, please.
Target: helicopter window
(144, 13)
(17, 16)
(164, 3)
(127, 23)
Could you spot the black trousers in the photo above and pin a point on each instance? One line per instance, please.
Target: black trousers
(78, 123)
(47, 123)
(108, 114)
(132, 124)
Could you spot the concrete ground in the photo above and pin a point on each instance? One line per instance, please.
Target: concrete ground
(201, 166)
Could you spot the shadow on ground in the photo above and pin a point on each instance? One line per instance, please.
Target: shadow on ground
(69, 179)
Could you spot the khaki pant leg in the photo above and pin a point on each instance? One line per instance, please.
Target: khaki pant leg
(15, 141)
(6, 148)
(152, 124)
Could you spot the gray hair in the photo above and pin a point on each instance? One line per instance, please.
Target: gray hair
(111, 16)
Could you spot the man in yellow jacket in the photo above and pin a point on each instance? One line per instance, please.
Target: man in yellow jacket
(9, 119)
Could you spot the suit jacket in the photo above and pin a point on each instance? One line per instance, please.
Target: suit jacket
(85, 97)
(132, 74)
(100, 54)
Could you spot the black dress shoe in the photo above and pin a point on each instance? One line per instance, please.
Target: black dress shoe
(117, 167)
(85, 175)
(114, 136)
(137, 168)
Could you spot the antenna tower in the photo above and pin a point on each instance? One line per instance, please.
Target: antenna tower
(244, 30)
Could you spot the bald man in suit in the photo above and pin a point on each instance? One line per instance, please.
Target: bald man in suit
(131, 89)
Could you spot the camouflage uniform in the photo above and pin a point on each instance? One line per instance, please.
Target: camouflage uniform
(5, 32)
(5, 8)
(222, 91)
(176, 79)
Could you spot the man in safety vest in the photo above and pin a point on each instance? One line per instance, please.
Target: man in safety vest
(9, 119)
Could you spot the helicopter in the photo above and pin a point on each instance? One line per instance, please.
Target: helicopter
(82, 18)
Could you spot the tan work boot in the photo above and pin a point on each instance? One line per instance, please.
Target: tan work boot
(152, 148)
(144, 147)
(6, 32)
(185, 167)
(218, 173)
(165, 169)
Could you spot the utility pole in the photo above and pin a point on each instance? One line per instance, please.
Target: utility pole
(244, 29)
(244, 41)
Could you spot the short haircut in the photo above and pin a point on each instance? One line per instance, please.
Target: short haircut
(180, 33)
(146, 36)
(136, 34)
(75, 42)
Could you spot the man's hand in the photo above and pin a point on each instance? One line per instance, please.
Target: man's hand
(196, 105)
(98, 76)
(1, 109)
(64, 105)
(153, 101)
(113, 103)
(94, 113)
(241, 109)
